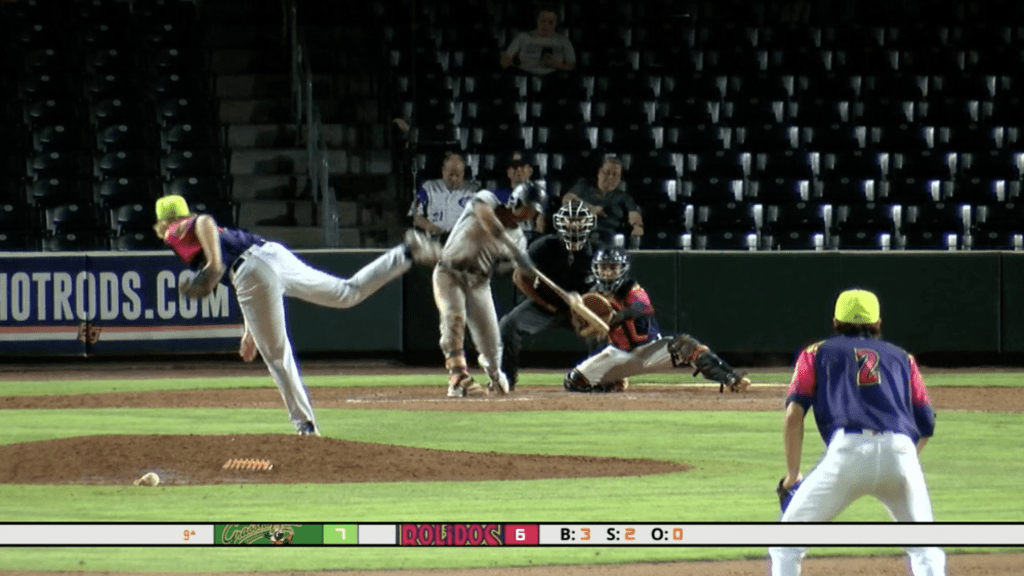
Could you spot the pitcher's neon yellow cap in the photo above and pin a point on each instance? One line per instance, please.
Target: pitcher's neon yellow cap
(171, 207)
(857, 307)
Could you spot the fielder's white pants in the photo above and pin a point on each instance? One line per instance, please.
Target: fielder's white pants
(271, 272)
(464, 300)
(884, 465)
(611, 363)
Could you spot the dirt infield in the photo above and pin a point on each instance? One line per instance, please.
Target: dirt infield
(201, 459)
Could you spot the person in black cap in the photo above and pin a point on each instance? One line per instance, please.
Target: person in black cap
(520, 169)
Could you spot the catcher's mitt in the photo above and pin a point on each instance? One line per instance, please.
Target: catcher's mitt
(599, 305)
(202, 283)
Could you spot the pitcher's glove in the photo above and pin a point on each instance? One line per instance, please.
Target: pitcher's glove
(202, 283)
(785, 494)
(601, 306)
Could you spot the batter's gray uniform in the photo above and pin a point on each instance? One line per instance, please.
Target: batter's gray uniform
(462, 286)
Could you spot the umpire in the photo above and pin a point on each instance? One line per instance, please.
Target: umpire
(565, 258)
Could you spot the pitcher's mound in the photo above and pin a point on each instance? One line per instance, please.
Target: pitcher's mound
(190, 460)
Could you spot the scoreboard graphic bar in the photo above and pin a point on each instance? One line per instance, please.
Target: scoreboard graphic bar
(502, 535)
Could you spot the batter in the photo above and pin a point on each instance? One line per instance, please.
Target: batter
(874, 414)
(462, 282)
(262, 272)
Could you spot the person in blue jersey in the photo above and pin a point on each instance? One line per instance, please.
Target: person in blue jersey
(873, 412)
(262, 273)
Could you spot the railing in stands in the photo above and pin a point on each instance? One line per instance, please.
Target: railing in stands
(307, 118)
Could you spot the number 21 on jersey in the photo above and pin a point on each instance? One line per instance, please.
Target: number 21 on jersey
(867, 362)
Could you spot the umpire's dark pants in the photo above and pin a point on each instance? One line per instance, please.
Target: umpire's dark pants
(526, 319)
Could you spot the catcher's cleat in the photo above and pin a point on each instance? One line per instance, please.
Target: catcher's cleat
(308, 429)
(421, 248)
(500, 387)
(616, 386)
(735, 383)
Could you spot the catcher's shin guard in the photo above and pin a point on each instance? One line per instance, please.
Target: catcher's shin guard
(687, 350)
(576, 382)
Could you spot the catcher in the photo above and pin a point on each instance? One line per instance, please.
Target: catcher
(635, 346)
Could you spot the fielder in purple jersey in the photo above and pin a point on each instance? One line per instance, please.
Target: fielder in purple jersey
(873, 412)
(262, 273)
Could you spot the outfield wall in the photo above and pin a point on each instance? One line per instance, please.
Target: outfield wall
(107, 303)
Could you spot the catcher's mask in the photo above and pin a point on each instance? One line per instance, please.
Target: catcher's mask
(528, 193)
(573, 222)
(610, 266)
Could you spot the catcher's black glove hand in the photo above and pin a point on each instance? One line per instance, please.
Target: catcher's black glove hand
(202, 283)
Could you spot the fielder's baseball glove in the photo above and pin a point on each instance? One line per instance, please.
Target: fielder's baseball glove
(785, 494)
(601, 306)
(202, 283)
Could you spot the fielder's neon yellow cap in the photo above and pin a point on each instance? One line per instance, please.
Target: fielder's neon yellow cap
(171, 207)
(858, 307)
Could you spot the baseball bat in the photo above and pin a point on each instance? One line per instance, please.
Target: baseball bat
(575, 301)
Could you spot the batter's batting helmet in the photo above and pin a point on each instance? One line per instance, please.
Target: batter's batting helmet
(610, 266)
(573, 222)
(530, 194)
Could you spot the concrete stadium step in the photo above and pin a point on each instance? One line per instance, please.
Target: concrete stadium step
(282, 161)
(284, 135)
(255, 213)
(228, 36)
(264, 85)
(262, 187)
(238, 61)
(293, 236)
(269, 110)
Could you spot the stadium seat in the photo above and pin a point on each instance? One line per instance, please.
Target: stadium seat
(722, 164)
(189, 137)
(125, 163)
(60, 137)
(209, 187)
(58, 189)
(725, 227)
(799, 226)
(19, 226)
(786, 164)
(136, 241)
(124, 137)
(131, 218)
(866, 225)
(192, 163)
(77, 218)
(125, 189)
(998, 227)
(934, 226)
(778, 191)
(993, 164)
(67, 163)
(925, 165)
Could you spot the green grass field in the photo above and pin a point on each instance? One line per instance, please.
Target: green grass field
(973, 465)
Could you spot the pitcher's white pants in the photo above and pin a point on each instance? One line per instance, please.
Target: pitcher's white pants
(880, 464)
(271, 272)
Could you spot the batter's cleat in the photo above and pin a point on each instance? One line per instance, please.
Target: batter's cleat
(461, 384)
(308, 429)
(421, 248)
